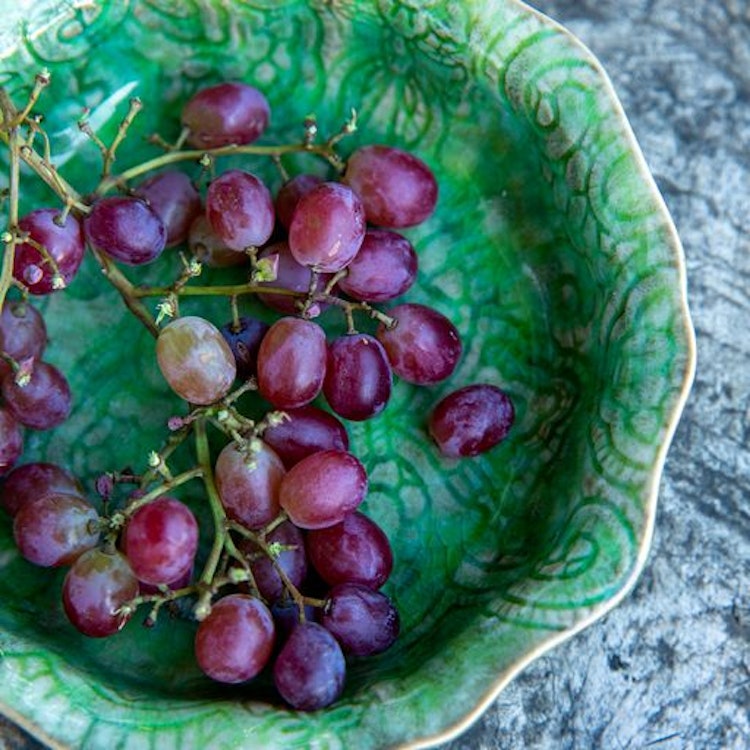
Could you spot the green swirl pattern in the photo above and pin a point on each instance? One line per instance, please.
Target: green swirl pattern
(550, 250)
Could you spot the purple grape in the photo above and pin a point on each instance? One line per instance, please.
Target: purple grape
(127, 229)
(235, 641)
(310, 669)
(195, 360)
(292, 362)
(43, 402)
(364, 622)
(307, 430)
(292, 560)
(30, 482)
(424, 347)
(240, 209)
(289, 275)
(207, 248)
(224, 114)
(384, 268)
(358, 378)
(95, 589)
(397, 189)
(55, 529)
(327, 228)
(353, 551)
(471, 420)
(323, 488)
(11, 441)
(23, 333)
(289, 196)
(160, 540)
(64, 244)
(244, 341)
(175, 200)
(249, 487)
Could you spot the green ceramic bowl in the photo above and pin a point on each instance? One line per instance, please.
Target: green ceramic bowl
(550, 249)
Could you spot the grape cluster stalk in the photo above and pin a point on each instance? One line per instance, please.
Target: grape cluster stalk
(292, 580)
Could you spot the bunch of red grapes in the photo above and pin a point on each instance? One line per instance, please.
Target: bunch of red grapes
(293, 581)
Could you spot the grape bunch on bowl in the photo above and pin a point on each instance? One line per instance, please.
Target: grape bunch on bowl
(376, 378)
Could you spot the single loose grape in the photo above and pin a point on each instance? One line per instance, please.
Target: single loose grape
(471, 420)
(195, 360)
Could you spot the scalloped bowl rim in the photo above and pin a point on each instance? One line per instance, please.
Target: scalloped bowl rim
(650, 500)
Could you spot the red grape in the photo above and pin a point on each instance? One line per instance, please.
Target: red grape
(385, 267)
(289, 275)
(64, 244)
(236, 640)
(471, 420)
(307, 430)
(323, 488)
(356, 550)
(195, 360)
(224, 114)
(424, 347)
(207, 248)
(310, 669)
(327, 227)
(41, 403)
(23, 333)
(126, 228)
(249, 488)
(292, 560)
(240, 209)
(174, 198)
(397, 189)
(95, 589)
(244, 341)
(292, 362)
(160, 540)
(363, 621)
(11, 440)
(55, 529)
(29, 482)
(290, 193)
(358, 378)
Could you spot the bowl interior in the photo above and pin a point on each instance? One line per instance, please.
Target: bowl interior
(551, 253)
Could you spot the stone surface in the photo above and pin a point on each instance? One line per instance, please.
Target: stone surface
(670, 667)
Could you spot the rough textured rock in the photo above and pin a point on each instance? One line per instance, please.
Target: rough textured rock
(670, 667)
